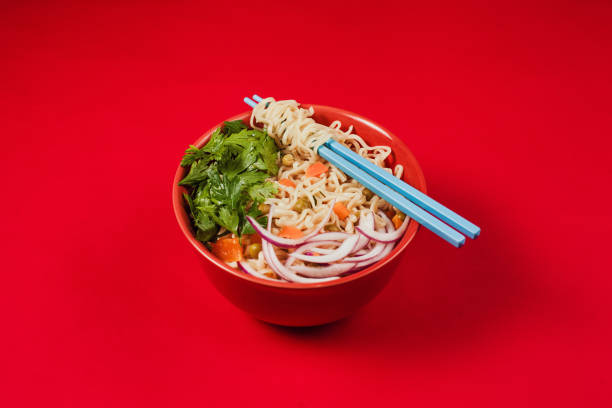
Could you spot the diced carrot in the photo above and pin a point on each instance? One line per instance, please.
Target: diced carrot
(227, 249)
(290, 232)
(316, 169)
(254, 239)
(248, 239)
(286, 182)
(398, 220)
(341, 211)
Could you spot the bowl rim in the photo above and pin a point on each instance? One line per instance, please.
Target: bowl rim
(179, 210)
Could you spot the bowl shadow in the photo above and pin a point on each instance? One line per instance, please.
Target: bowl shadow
(441, 298)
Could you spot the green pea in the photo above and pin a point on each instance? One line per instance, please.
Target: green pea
(253, 250)
(368, 194)
(301, 204)
(287, 159)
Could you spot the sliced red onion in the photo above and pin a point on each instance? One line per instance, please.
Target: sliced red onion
(366, 222)
(364, 255)
(385, 237)
(314, 247)
(248, 269)
(286, 242)
(319, 250)
(311, 249)
(278, 267)
(359, 243)
(324, 251)
(282, 270)
(323, 271)
(389, 226)
(375, 251)
(342, 251)
(330, 236)
(339, 262)
(314, 271)
(387, 248)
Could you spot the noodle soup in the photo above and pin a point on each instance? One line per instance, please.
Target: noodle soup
(300, 219)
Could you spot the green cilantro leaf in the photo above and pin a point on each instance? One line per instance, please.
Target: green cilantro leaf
(215, 144)
(227, 180)
(197, 173)
(259, 192)
(192, 154)
(233, 126)
(231, 167)
(228, 219)
(206, 227)
(269, 153)
(250, 178)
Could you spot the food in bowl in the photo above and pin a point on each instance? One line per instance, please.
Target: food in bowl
(262, 200)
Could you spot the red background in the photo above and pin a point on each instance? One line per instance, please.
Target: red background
(507, 108)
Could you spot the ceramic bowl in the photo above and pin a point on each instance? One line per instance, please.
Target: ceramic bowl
(295, 304)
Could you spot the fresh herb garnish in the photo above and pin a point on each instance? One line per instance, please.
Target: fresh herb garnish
(227, 180)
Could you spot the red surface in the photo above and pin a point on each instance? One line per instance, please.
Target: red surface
(506, 107)
(298, 304)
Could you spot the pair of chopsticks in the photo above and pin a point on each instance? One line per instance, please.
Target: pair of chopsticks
(418, 206)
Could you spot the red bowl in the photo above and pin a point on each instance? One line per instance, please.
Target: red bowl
(297, 304)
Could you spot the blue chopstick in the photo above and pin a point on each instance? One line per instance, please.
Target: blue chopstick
(411, 193)
(394, 198)
(250, 102)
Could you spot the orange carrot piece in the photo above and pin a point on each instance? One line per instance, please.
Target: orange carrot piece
(290, 232)
(316, 169)
(227, 249)
(248, 239)
(341, 211)
(286, 182)
(398, 220)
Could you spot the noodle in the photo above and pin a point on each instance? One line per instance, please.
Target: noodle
(296, 133)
